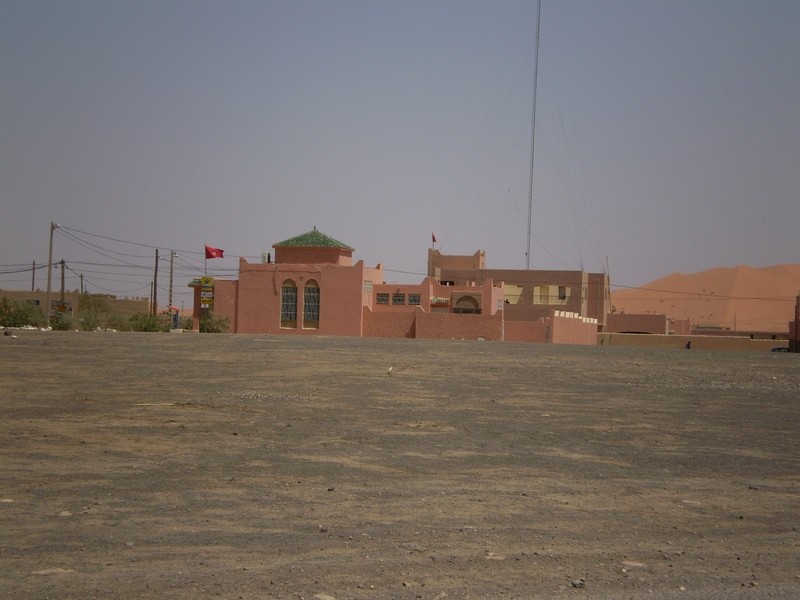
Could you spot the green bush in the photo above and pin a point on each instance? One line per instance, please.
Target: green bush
(213, 324)
(60, 322)
(93, 310)
(117, 322)
(143, 322)
(19, 314)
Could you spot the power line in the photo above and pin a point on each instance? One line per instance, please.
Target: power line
(697, 294)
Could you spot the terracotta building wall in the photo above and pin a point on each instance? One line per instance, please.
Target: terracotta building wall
(259, 297)
(699, 342)
(454, 262)
(528, 331)
(680, 326)
(407, 320)
(341, 307)
(598, 301)
(446, 326)
(631, 323)
(526, 307)
(296, 255)
(558, 328)
(390, 324)
(573, 329)
(225, 297)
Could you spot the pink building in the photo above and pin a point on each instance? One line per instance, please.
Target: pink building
(313, 287)
(539, 306)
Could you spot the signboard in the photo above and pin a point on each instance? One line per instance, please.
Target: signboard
(206, 292)
(57, 306)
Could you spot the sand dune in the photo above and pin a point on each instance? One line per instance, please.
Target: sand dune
(741, 298)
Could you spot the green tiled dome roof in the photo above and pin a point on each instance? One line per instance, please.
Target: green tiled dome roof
(313, 239)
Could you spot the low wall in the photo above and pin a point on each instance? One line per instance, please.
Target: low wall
(389, 324)
(574, 330)
(559, 328)
(678, 342)
(637, 323)
(535, 332)
(445, 326)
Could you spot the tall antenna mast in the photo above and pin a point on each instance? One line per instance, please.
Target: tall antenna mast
(533, 134)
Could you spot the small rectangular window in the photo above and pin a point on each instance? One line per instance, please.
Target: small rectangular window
(414, 299)
(382, 298)
(398, 298)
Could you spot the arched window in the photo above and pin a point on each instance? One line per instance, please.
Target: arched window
(311, 305)
(467, 305)
(289, 304)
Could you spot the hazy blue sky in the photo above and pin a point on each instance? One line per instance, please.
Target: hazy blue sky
(668, 133)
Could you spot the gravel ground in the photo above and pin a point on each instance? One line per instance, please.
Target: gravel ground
(193, 466)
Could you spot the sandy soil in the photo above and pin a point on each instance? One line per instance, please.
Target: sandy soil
(194, 466)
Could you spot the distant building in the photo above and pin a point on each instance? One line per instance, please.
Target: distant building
(68, 304)
(313, 287)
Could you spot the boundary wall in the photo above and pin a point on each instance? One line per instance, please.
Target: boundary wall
(699, 342)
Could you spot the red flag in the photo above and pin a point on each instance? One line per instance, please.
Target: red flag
(213, 252)
(433, 238)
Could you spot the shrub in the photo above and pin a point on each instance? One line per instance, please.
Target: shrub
(60, 322)
(118, 322)
(213, 324)
(143, 322)
(92, 309)
(19, 314)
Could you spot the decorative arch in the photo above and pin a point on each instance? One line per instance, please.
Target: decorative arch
(467, 305)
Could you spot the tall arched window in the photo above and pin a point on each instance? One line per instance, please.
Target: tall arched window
(289, 304)
(311, 305)
(467, 305)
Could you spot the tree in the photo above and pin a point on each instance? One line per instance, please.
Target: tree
(92, 309)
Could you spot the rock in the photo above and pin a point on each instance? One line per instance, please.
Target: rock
(578, 583)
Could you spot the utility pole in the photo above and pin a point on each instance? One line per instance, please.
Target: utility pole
(794, 343)
(533, 136)
(171, 264)
(81, 284)
(155, 286)
(53, 227)
(62, 280)
(33, 276)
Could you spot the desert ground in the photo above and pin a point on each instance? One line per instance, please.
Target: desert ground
(191, 466)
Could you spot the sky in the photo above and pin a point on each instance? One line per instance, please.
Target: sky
(667, 135)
